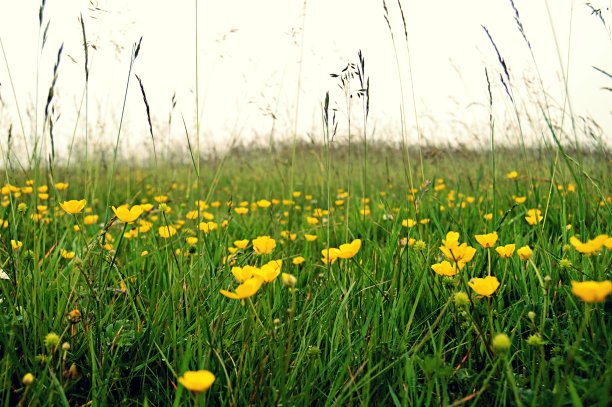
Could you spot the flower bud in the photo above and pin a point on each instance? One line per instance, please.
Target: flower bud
(289, 280)
(461, 299)
(501, 343)
(28, 379)
(535, 340)
(420, 245)
(51, 341)
(313, 351)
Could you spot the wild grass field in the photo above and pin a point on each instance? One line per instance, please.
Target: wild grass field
(472, 286)
(345, 271)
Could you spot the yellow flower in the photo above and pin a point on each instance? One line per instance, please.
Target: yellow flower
(133, 233)
(144, 226)
(16, 244)
(128, 215)
(269, 271)
(445, 269)
(61, 186)
(592, 291)
(241, 211)
(484, 286)
(505, 251)
(264, 203)
(534, 216)
(488, 216)
(161, 198)
(73, 207)
(452, 239)
(520, 199)
(191, 240)
(512, 175)
(197, 381)
(349, 250)
(330, 255)
(311, 220)
(608, 243)
(405, 241)
(591, 246)
(241, 244)
(525, 253)
(242, 274)
(90, 219)
(208, 227)
(365, 211)
(487, 240)
(201, 204)
(67, 254)
(167, 231)
(147, 207)
(288, 235)
(244, 290)
(264, 245)
(408, 223)
(453, 251)
(298, 260)
(310, 238)
(439, 187)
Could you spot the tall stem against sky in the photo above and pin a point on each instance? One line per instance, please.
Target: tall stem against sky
(297, 97)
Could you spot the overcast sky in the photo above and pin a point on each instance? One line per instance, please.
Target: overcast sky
(250, 56)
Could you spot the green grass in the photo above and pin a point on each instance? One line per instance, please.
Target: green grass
(380, 328)
(128, 312)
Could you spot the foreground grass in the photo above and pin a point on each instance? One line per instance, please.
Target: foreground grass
(132, 310)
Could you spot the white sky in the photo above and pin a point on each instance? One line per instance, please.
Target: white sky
(249, 59)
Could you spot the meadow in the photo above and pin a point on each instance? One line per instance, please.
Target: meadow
(344, 271)
(339, 292)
